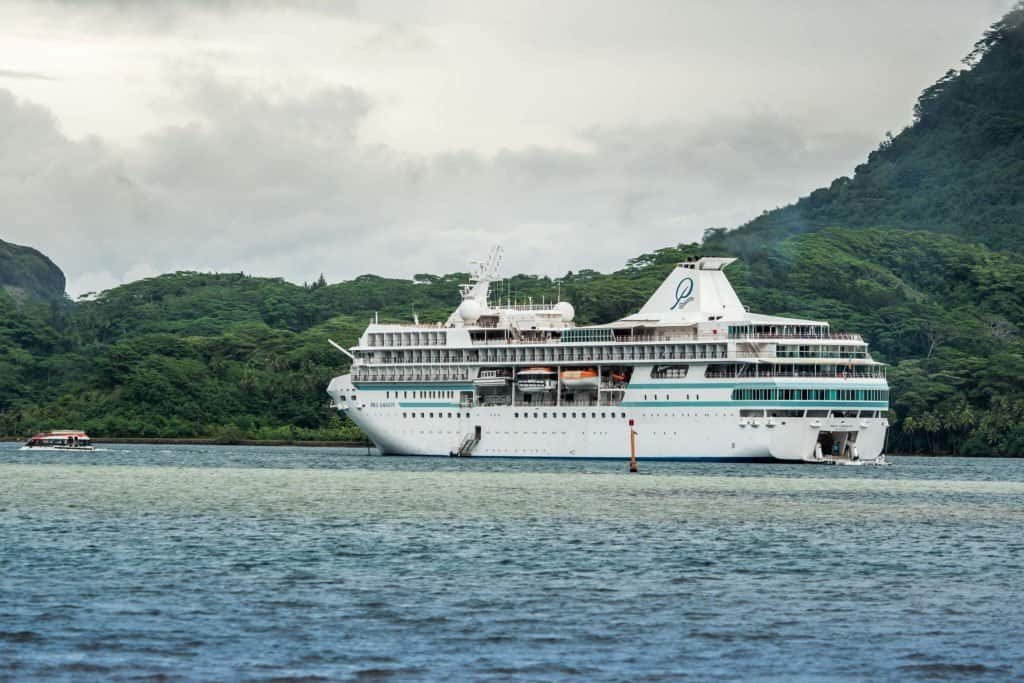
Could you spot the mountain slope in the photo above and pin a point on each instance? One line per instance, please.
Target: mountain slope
(959, 168)
(27, 273)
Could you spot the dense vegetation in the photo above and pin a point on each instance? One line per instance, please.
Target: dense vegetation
(957, 169)
(919, 251)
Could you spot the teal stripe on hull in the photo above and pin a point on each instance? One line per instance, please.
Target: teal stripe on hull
(414, 387)
(799, 383)
(623, 459)
(781, 405)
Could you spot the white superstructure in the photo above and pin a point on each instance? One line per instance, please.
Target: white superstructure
(701, 377)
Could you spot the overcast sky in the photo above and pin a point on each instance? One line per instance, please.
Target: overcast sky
(294, 138)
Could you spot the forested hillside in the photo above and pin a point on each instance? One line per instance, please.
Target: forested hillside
(957, 169)
(27, 274)
(919, 251)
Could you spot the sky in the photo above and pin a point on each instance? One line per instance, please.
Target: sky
(294, 138)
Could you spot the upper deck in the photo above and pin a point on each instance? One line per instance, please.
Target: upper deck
(693, 317)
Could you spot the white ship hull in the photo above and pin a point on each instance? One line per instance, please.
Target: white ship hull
(691, 432)
(667, 435)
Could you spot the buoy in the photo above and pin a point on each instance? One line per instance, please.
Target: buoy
(632, 447)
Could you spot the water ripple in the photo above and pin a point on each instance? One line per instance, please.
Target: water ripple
(205, 563)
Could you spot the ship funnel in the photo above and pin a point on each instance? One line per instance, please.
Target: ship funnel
(695, 291)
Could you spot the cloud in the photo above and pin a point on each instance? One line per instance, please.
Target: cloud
(283, 186)
(25, 75)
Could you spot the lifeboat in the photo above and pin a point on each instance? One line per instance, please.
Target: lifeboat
(577, 380)
(491, 378)
(59, 440)
(535, 380)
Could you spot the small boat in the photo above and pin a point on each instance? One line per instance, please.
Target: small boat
(581, 380)
(491, 378)
(59, 440)
(535, 380)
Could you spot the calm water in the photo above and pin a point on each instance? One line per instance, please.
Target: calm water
(230, 563)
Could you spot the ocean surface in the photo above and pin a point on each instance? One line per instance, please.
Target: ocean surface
(168, 563)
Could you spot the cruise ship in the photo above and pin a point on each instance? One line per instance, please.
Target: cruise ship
(693, 372)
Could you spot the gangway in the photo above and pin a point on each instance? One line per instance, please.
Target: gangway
(467, 446)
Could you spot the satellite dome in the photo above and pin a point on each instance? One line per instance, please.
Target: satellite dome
(566, 310)
(469, 311)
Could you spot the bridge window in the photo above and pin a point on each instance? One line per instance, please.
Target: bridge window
(669, 371)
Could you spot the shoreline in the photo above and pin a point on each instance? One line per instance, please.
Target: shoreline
(167, 441)
(171, 441)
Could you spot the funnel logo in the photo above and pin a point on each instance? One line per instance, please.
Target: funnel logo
(683, 291)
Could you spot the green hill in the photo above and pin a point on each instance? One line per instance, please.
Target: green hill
(958, 169)
(26, 273)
